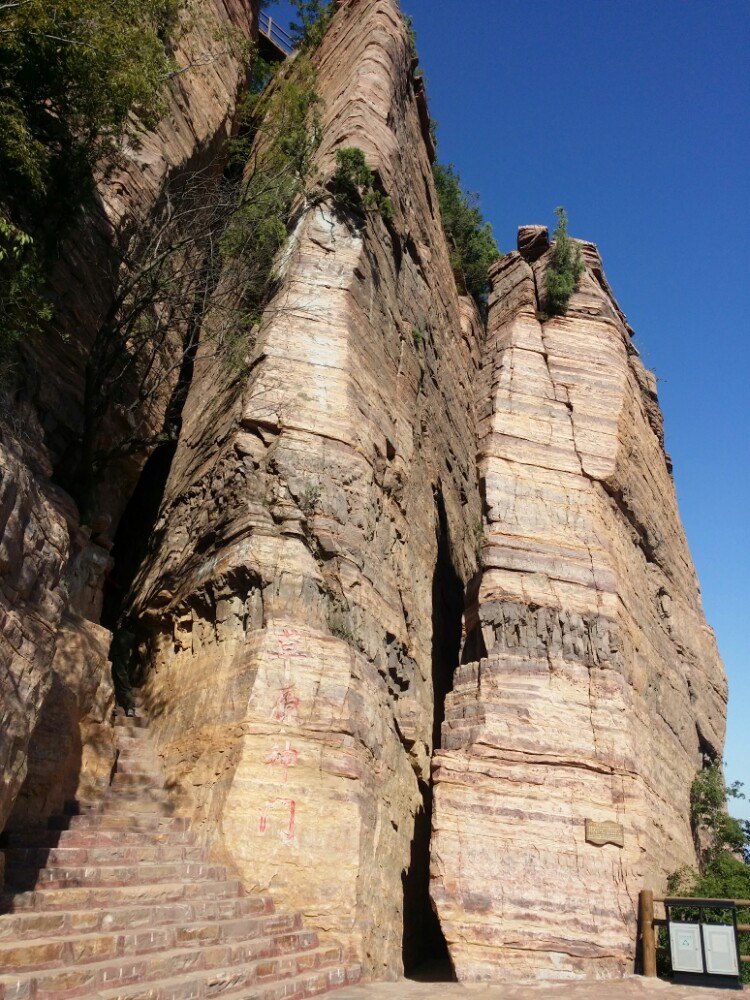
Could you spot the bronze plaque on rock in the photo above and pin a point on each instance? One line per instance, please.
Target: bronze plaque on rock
(608, 832)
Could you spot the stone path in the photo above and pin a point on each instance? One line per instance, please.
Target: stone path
(121, 903)
(635, 988)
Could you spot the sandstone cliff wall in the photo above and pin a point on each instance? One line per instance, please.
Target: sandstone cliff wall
(55, 691)
(592, 686)
(317, 518)
(302, 598)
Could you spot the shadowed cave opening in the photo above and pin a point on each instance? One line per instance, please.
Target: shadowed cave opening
(425, 952)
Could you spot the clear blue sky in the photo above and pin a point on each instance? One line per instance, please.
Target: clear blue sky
(635, 115)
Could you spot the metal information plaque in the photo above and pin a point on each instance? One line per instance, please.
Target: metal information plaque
(719, 946)
(706, 952)
(686, 947)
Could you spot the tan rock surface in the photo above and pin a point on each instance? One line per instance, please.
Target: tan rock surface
(313, 513)
(633, 988)
(591, 684)
(48, 561)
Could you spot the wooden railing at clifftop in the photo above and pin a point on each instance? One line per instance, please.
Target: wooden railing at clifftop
(647, 924)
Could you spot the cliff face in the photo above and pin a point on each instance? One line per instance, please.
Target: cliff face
(359, 705)
(56, 693)
(592, 686)
(317, 519)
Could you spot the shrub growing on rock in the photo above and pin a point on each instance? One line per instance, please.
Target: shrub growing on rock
(353, 184)
(565, 270)
(470, 241)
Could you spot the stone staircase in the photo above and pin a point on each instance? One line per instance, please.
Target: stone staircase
(118, 902)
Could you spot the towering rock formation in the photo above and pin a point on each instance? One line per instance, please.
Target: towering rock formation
(312, 590)
(305, 589)
(591, 687)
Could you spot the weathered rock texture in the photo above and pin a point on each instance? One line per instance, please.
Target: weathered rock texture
(317, 518)
(54, 674)
(300, 607)
(591, 685)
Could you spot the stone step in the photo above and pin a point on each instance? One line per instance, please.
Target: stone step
(63, 923)
(114, 821)
(50, 839)
(132, 764)
(92, 978)
(131, 723)
(112, 896)
(67, 856)
(113, 875)
(232, 983)
(137, 774)
(55, 952)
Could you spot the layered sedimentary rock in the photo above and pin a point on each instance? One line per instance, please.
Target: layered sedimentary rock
(591, 686)
(317, 519)
(51, 564)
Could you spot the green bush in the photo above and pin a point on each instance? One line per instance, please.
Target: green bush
(471, 244)
(565, 269)
(353, 184)
(724, 841)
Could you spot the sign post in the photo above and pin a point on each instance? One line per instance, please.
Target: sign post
(706, 952)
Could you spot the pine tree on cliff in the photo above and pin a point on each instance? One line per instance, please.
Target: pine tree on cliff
(566, 268)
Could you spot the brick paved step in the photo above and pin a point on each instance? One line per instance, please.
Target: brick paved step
(92, 978)
(31, 924)
(82, 837)
(113, 875)
(69, 856)
(123, 895)
(269, 936)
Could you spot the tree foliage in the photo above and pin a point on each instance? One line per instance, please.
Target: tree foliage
(470, 241)
(314, 18)
(565, 269)
(72, 72)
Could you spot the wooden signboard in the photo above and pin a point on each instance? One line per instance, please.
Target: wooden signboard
(608, 832)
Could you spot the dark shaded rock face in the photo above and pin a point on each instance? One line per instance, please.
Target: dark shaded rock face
(415, 599)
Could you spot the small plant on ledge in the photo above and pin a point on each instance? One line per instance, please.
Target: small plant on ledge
(565, 270)
(353, 184)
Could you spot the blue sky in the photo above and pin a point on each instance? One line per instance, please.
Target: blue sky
(634, 115)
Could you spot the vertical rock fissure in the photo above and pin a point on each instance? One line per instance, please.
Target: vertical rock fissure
(135, 532)
(425, 952)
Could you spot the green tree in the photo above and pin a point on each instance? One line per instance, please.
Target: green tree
(71, 74)
(565, 269)
(471, 244)
(314, 18)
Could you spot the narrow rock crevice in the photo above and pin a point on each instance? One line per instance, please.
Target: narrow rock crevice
(424, 947)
